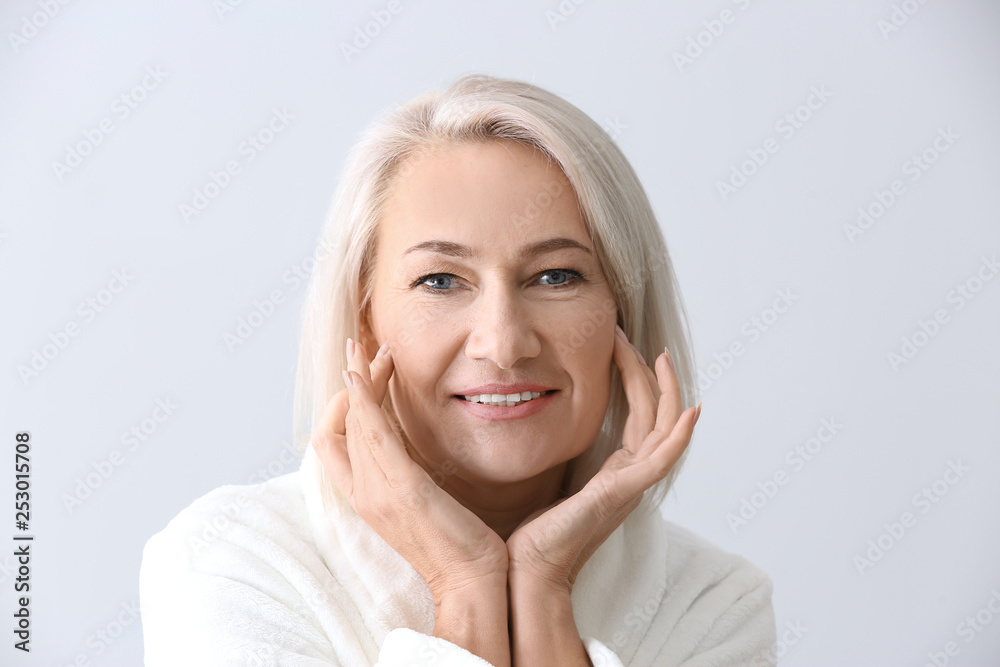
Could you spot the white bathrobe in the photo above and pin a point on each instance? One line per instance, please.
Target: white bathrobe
(280, 573)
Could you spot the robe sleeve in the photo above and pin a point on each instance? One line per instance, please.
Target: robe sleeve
(228, 583)
(742, 634)
(239, 617)
(600, 655)
(408, 648)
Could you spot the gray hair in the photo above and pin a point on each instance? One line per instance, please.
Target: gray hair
(615, 210)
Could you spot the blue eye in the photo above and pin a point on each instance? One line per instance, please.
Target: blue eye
(571, 281)
(573, 276)
(437, 277)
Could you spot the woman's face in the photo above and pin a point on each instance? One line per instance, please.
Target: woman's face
(485, 275)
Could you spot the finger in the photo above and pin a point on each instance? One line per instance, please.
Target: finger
(381, 370)
(335, 413)
(671, 402)
(376, 372)
(654, 382)
(642, 408)
(358, 361)
(330, 444)
(609, 498)
(648, 372)
(663, 458)
(366, 436)
(369, 433)
(367, 473)
(635, 479)
(332, 453)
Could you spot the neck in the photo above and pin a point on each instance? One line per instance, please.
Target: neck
(504, 507)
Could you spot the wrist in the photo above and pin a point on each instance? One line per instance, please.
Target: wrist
(468, 589)
(547, 596)
(543, 627)
(474, 616)
(544, 587)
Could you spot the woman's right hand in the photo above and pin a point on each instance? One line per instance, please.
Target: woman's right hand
(449, 546)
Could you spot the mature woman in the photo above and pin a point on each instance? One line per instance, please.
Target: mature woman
(487, 445)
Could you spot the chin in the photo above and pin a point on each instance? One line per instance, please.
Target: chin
(485, 464)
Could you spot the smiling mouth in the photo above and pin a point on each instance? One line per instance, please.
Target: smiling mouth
(505, 400)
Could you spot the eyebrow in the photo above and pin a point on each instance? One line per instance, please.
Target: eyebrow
(527, 252)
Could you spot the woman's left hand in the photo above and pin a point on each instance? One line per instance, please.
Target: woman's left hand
(548, 551)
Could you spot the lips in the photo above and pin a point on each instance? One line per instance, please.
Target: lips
(503, 413)
(505, 400)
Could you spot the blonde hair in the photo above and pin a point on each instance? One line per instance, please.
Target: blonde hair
(614, 207)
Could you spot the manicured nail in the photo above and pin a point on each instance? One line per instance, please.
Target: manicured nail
(382, 350)
(620, 332)
(347, 379)
(697, 414)
(670, 359)
(350, 349)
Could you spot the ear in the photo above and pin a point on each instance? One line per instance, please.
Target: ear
(367, 336)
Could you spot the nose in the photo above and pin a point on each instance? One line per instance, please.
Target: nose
(502, 329)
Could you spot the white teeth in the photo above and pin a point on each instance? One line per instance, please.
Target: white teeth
(503, 400)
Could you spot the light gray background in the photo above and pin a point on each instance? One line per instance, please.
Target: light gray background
(684, 129)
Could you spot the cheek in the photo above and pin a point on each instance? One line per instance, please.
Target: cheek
(419, 358)
(586, 331)
(583, 339)
(416, 325)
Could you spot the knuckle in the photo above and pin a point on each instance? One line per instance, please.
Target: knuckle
(372, 510)
(380, 511)
(415, 500)
(373, 438)
(324, 440)
(608, 498)
(352, 426)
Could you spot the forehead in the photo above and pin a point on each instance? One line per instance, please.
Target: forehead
(495, 197)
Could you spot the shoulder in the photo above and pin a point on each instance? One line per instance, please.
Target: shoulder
(693, 562)
(246, 533)
(725, 601)
(234, 578)
(661, 594)
(234, 515)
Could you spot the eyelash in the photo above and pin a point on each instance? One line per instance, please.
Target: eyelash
(575, 277)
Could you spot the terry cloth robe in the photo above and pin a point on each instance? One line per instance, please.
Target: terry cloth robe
(285, 573)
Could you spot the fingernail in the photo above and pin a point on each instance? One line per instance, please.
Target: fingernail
(670, 359)
(350, 349)
(620, 332)
(697, 414)
(382, 350)
(347, 379)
